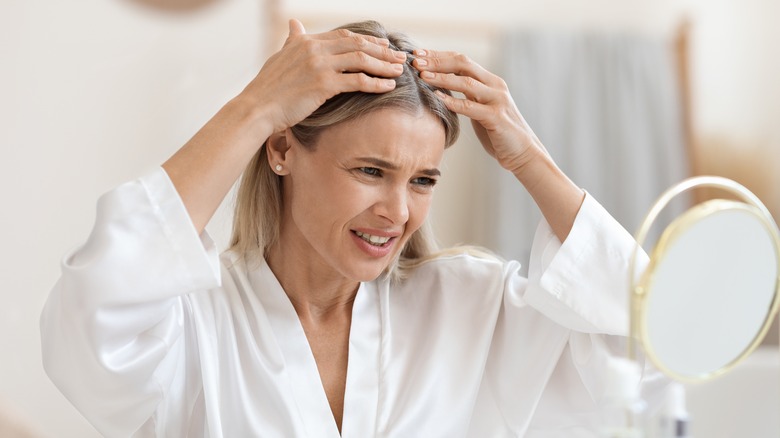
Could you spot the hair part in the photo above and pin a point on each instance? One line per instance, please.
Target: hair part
(258, 209)
(411, 94)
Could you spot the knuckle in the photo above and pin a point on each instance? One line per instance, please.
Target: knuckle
(310, 46)
(506, 99)
(463, 58)
(364, 81)
(316, 63)
(362, 57)
(471, 82)
(359, 42)
(344, 33)
(459, 105)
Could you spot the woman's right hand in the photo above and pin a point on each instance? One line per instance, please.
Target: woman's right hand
(310, 69)
(293, 83)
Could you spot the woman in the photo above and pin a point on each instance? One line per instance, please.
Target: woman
(332, 313)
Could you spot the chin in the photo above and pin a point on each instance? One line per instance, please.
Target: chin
(370, 272)
(370, 275)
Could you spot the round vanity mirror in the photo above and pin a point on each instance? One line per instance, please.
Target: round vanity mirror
(710, 290)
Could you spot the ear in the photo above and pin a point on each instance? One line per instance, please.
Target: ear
(278, 148)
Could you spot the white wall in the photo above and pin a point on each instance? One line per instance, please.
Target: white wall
(95, 92)
(735, 43)
(734, 65)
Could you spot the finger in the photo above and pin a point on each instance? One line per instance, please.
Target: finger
(433, 53)
(354, 62)
(470, 87)
(469, 108)
(344, 33)
(346, 40)
(350, 82)
(456, 63)
(362, 43)
(296, 28)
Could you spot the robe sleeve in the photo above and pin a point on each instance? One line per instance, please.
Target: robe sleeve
(112, 327)
(582, 285)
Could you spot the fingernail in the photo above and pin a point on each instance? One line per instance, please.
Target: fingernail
(420, 52)
(421, 62)
(427, 75)
(440, 94)
(398, 67)
(399, 55)
(389, 83)
(383, 41)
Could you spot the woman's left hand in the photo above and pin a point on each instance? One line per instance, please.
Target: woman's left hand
(500, 127)
(503, 132)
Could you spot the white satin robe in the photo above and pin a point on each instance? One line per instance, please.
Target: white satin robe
(149, 332)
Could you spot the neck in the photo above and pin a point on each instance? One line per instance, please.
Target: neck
(316, 292)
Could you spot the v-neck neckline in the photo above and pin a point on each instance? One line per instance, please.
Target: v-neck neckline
(362, 383)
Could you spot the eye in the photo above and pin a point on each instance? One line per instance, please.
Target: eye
(371, 171)
(424, 181)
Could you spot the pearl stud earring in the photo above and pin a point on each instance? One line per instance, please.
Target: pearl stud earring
(278, 167)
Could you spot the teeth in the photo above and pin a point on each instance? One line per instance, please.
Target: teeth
(374, 240)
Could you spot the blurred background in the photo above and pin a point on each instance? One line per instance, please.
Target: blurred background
(629, 96)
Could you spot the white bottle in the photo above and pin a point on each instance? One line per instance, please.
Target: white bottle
(673, 421)
(623, 410)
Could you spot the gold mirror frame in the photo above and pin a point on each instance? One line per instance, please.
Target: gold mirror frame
(640, 285)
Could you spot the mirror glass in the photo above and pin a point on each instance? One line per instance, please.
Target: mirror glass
(709, 290)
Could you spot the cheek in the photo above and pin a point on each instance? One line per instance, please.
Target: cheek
(331, 202)
(419, 206)
(350, 198)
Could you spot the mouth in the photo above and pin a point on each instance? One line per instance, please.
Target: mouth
(378, 241)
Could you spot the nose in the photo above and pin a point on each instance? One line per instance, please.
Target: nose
(393, 205)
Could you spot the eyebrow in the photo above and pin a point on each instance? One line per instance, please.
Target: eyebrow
(378, 162)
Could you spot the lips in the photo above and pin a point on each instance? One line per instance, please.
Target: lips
(375, 243)
(373, 240)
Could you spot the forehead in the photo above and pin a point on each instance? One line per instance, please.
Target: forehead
(388, 133)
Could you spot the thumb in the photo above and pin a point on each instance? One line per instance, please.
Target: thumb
(296, 27)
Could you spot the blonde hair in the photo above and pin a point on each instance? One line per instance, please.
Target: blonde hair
(258, 209)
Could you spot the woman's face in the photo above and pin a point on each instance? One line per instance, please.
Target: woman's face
(354, 199)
